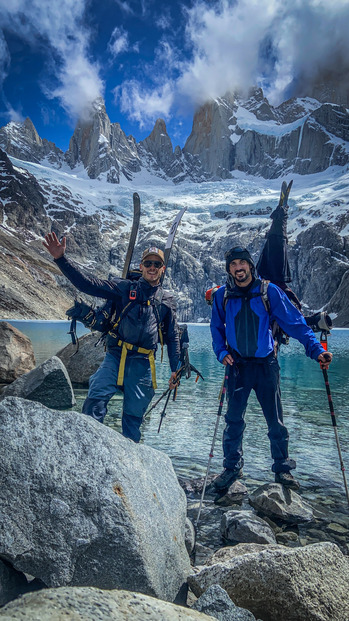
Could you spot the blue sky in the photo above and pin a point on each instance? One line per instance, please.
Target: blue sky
(150, 59)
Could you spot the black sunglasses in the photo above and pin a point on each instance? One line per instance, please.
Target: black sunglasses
(156, 264)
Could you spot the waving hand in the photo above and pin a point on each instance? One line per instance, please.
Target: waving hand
(54, 246)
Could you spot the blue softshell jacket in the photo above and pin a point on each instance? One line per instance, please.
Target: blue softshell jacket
(244, 324)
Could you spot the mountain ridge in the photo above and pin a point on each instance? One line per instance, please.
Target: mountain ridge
(86, 194)
(302, 136)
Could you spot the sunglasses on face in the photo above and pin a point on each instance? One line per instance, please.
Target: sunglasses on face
(156, 264)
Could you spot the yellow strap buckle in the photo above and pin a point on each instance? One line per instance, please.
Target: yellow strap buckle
(125, 347)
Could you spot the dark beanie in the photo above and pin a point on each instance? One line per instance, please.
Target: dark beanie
(237, 253)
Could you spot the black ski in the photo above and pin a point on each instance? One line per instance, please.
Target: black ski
(285, 191)
(133, 236)
(171, 236)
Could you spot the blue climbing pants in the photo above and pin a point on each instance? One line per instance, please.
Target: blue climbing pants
(263, 376)
(137, 389)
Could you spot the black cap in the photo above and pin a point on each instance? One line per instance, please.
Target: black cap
(237, 253)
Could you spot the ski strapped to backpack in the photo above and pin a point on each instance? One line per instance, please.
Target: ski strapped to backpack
(133, 235)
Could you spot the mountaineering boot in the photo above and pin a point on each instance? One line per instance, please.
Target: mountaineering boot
(226, 479)
(287, 480)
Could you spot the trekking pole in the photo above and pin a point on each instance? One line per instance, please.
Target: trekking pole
(198, 374)
(222, 394)
(323, 341)
(163, 413)
(158, 401)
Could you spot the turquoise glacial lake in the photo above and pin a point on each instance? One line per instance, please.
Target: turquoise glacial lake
(188, 427)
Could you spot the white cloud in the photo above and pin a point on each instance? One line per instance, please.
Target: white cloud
(125, 7)
(235, 44)
(163, 22)
(311, 41)
(305, 37)
(79, 87)
(225, 40)
(57, 26)
(119, 42)
(4, 58)
(144, 105)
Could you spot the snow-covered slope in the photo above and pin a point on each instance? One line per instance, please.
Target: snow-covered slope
(96, 215)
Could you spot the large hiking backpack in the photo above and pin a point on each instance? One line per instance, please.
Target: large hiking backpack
(318, 322)
(279, 336)
(107, 318)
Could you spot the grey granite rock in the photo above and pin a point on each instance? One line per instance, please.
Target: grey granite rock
(87, 603)
(276, 501)
(217, 603)
(85, 506)
(282, 583)
(48, 384)
(82, 363)
(189, 535)
(246, 527)
(16, 353)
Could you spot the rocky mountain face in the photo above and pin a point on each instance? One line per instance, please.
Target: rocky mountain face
(31, 284)
(210, 139)
(303, 136)
(102, 147)
(300, 136)
(21, 140)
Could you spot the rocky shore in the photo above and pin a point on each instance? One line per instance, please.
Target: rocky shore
(94, 526)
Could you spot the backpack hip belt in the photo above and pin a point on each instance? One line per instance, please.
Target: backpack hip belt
(125, 347)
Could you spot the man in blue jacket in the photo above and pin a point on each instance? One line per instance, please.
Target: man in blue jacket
(242, 338)
(146, 312)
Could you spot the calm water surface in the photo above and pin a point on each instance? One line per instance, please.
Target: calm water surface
(188, 427)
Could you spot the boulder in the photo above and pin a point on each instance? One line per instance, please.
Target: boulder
(235, 494)
(48, 384)
(283, 583)
(12, 583)
(84, 506)
(217, 603)
(226, 554)
(16, 353)
(278, 502)
(245, 527)
(85, 362)
(86, 603)
(189, 535)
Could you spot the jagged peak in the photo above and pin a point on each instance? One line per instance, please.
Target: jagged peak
(159, 128)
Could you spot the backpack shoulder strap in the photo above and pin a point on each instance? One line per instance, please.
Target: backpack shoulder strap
(126, 309)
(264, 294)
(225, 299)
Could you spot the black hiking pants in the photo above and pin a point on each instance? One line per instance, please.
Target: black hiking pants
(263, 376)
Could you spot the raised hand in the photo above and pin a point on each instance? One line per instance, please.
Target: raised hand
(54, 246)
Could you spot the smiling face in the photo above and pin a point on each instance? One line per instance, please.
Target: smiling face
(152, 273)
(240, 269)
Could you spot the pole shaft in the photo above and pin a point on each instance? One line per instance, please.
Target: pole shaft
(334, 423)
(222, 394)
